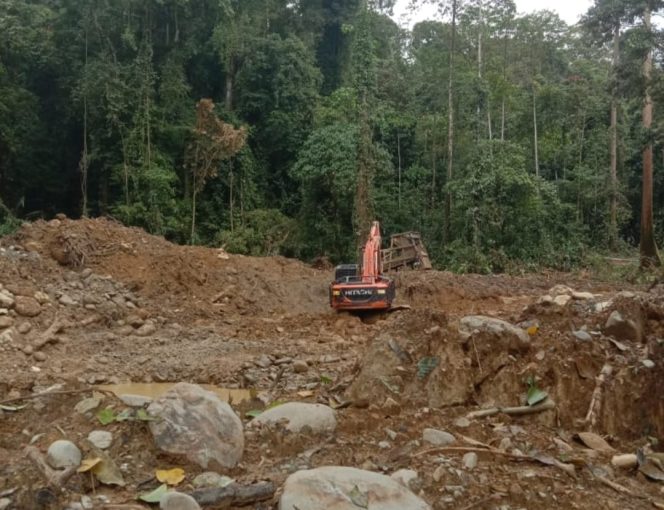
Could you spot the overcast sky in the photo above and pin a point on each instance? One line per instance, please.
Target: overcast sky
(569, 10)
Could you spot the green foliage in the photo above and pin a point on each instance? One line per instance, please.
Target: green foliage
(8, 223)
(264, 232)
(347, 121)
(505, 213)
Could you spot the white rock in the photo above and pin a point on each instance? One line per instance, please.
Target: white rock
(197, 424)
(62, 454)
(5, 503)
(470, 460)
(297, 415)
(102, 439)
(6, 299)
(178, 501)
(562, 300)
(648, 363)
(346, 488)
(437, 437)
(583, 296)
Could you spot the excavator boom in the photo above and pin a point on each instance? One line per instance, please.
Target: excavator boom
(365, 287)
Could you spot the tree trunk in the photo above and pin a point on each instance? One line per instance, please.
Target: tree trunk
(537, 170)
(450, 128)
(84, 156)
(648, 248)
(193, 212)
(479, 72)
(230, 71)
(613, 221)
(230, 197)
(399, 160)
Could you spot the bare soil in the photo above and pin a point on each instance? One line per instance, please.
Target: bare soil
(136, 308)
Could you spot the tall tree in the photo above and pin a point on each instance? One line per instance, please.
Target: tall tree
(647, 246)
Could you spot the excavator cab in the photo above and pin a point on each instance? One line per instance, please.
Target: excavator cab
(363, 287)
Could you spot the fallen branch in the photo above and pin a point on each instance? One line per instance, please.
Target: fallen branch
(49, 335)
(55, 478)
(596, 399)
(234, 494)
(548, 404)
(617, 487)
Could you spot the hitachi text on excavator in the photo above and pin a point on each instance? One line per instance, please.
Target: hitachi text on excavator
(363, 287)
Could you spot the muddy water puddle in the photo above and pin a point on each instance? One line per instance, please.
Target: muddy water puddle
(156, 390)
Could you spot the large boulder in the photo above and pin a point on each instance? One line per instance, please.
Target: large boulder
(196, 423)
(621, 327)
(296, 416)
(499, 333)
(346, 488)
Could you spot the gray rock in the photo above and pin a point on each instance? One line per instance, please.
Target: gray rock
(648, 363)
(622, 328)
(506, 335)
(437, 437)
(582, 335)
(5, 503)
(263, 362)
(406, 477)
(297, 415)
(87, 405)
(384, 445)
(178, 501)
(346, 488)
(102, 439)
(135, 400)
(470, 460)
(197, 424)
(39, 356)
(300, 366)
(462, 422)
(210, 479)
(62, 454)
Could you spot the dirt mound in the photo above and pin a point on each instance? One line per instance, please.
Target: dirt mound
(186, 280)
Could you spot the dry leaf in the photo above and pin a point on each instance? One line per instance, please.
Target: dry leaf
(304, 394)
(170, 476)
(532, 330)
(88, 464)
(595, 442)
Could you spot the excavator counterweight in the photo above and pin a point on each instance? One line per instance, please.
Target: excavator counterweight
(363, 287)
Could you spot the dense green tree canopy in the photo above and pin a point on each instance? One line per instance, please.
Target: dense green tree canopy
(501, 137)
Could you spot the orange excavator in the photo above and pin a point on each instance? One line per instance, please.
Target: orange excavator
(363, 287)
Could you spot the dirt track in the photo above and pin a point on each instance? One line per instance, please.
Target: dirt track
(137, 308)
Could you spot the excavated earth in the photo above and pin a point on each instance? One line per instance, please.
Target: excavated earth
(97, 303)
